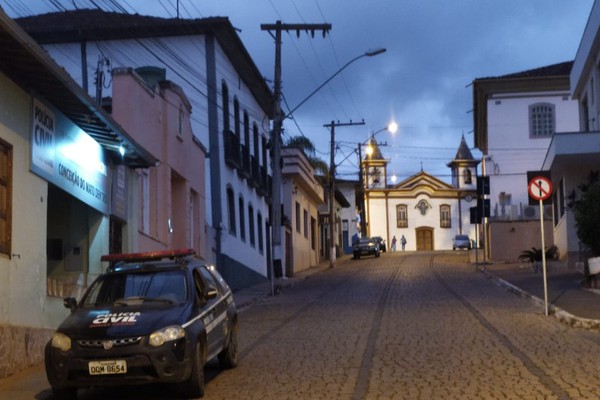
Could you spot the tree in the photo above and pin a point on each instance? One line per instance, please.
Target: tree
(306, 145)
(587, 213)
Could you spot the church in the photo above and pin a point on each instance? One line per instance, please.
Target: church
(427, 211)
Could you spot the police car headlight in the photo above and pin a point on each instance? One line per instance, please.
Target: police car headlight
(167, 334)
(61, 341)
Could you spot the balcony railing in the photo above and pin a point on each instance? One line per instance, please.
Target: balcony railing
(232, 149)
(244, 169)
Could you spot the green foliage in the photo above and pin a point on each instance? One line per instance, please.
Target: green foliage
(303, 143)
(587, 214)
(536, 254)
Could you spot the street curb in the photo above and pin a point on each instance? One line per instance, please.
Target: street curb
(560, 314)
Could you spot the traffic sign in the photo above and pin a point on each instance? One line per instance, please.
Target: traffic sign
(540, 188)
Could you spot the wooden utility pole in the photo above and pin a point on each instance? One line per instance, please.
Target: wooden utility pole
(332, 218)
(278, 118)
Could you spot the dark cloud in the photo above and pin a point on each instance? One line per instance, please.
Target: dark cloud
(435, 48)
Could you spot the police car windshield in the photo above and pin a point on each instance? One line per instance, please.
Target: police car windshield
(136, 287)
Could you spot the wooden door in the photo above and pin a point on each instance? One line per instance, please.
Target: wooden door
(424, 239)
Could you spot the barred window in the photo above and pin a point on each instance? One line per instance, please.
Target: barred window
(541, 120)
(445, 219)
(402, 216)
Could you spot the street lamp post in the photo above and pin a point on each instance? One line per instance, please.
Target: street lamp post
(392, 127)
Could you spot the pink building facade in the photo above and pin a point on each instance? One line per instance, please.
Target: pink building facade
(167, 204)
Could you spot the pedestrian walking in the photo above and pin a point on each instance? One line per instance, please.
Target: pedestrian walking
(394, 243)
(403, 242)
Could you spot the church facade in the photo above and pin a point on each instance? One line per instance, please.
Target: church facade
(427, 211)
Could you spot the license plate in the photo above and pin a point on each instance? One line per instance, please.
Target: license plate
(107, 367)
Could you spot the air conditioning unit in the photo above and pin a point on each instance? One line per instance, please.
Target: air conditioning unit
(531, 212)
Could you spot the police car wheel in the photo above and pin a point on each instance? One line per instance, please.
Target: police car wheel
(228, 358)
(195, 386)
(65, 393)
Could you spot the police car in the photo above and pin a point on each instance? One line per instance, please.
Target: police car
(150, 318)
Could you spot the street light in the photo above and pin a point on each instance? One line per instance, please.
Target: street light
(278, 119)
(392, 127)
(368, 53)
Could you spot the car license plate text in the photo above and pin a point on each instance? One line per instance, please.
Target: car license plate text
(107, 367)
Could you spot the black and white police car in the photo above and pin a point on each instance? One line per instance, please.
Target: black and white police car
(150, 318)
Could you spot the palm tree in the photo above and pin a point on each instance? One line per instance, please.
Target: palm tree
(306, 145)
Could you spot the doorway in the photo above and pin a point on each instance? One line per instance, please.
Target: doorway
(424, 238)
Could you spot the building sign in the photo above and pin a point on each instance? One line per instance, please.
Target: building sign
(67, 157)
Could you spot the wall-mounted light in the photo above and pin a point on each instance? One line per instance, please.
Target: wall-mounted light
(170, 225)
(122, 150)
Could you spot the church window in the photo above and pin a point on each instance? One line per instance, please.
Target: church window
(402, 216)
(445, 218)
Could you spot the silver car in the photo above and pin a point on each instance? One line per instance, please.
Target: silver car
(461, 242)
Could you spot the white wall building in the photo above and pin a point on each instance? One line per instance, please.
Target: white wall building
(572, 156)
(515, 117)
(425, 210)
(231, 107)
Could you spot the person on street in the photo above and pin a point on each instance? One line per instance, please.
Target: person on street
(394, 243)
(403, 242)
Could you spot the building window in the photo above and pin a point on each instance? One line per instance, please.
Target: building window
(231, 210)
(242, 219)
(445, 219)
(251, 225)
(541, 120)
(6, 154)
(467, 176)
(180, 121)
(247, 131)
(236, 117)
(313, 230)
(144, 180)
(225, 101)
(260, 233)
(306, 223)
(402, 216)
(298, 217)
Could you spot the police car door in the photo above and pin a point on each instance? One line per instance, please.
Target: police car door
(212, 317)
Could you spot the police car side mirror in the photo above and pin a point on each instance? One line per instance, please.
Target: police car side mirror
(70, 303)
(211, 293)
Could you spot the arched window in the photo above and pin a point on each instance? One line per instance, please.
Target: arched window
(445, 216)
(236, 117)
(231, 210)
(402, 216)
(467, 176)
(251, 225)
(225, 105)
(260, 232)
(242, 219)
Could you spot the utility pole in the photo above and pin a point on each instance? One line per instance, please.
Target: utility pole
(278, 118)
(332, 218)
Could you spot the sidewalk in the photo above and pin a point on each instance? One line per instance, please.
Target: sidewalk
(248, 296)
(568, 300)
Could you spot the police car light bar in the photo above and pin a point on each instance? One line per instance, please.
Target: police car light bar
(151, 255)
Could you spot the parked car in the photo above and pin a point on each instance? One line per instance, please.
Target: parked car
(150, 318)
(380, 243)
(365, 247)
(461, 242)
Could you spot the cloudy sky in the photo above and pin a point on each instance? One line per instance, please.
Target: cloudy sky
(435, 49)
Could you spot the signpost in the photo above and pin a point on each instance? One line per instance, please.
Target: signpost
(540, 188)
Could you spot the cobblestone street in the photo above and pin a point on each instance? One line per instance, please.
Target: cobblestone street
(402, 326)
(407, 326)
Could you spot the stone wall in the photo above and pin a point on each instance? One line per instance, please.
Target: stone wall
(21, 347)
